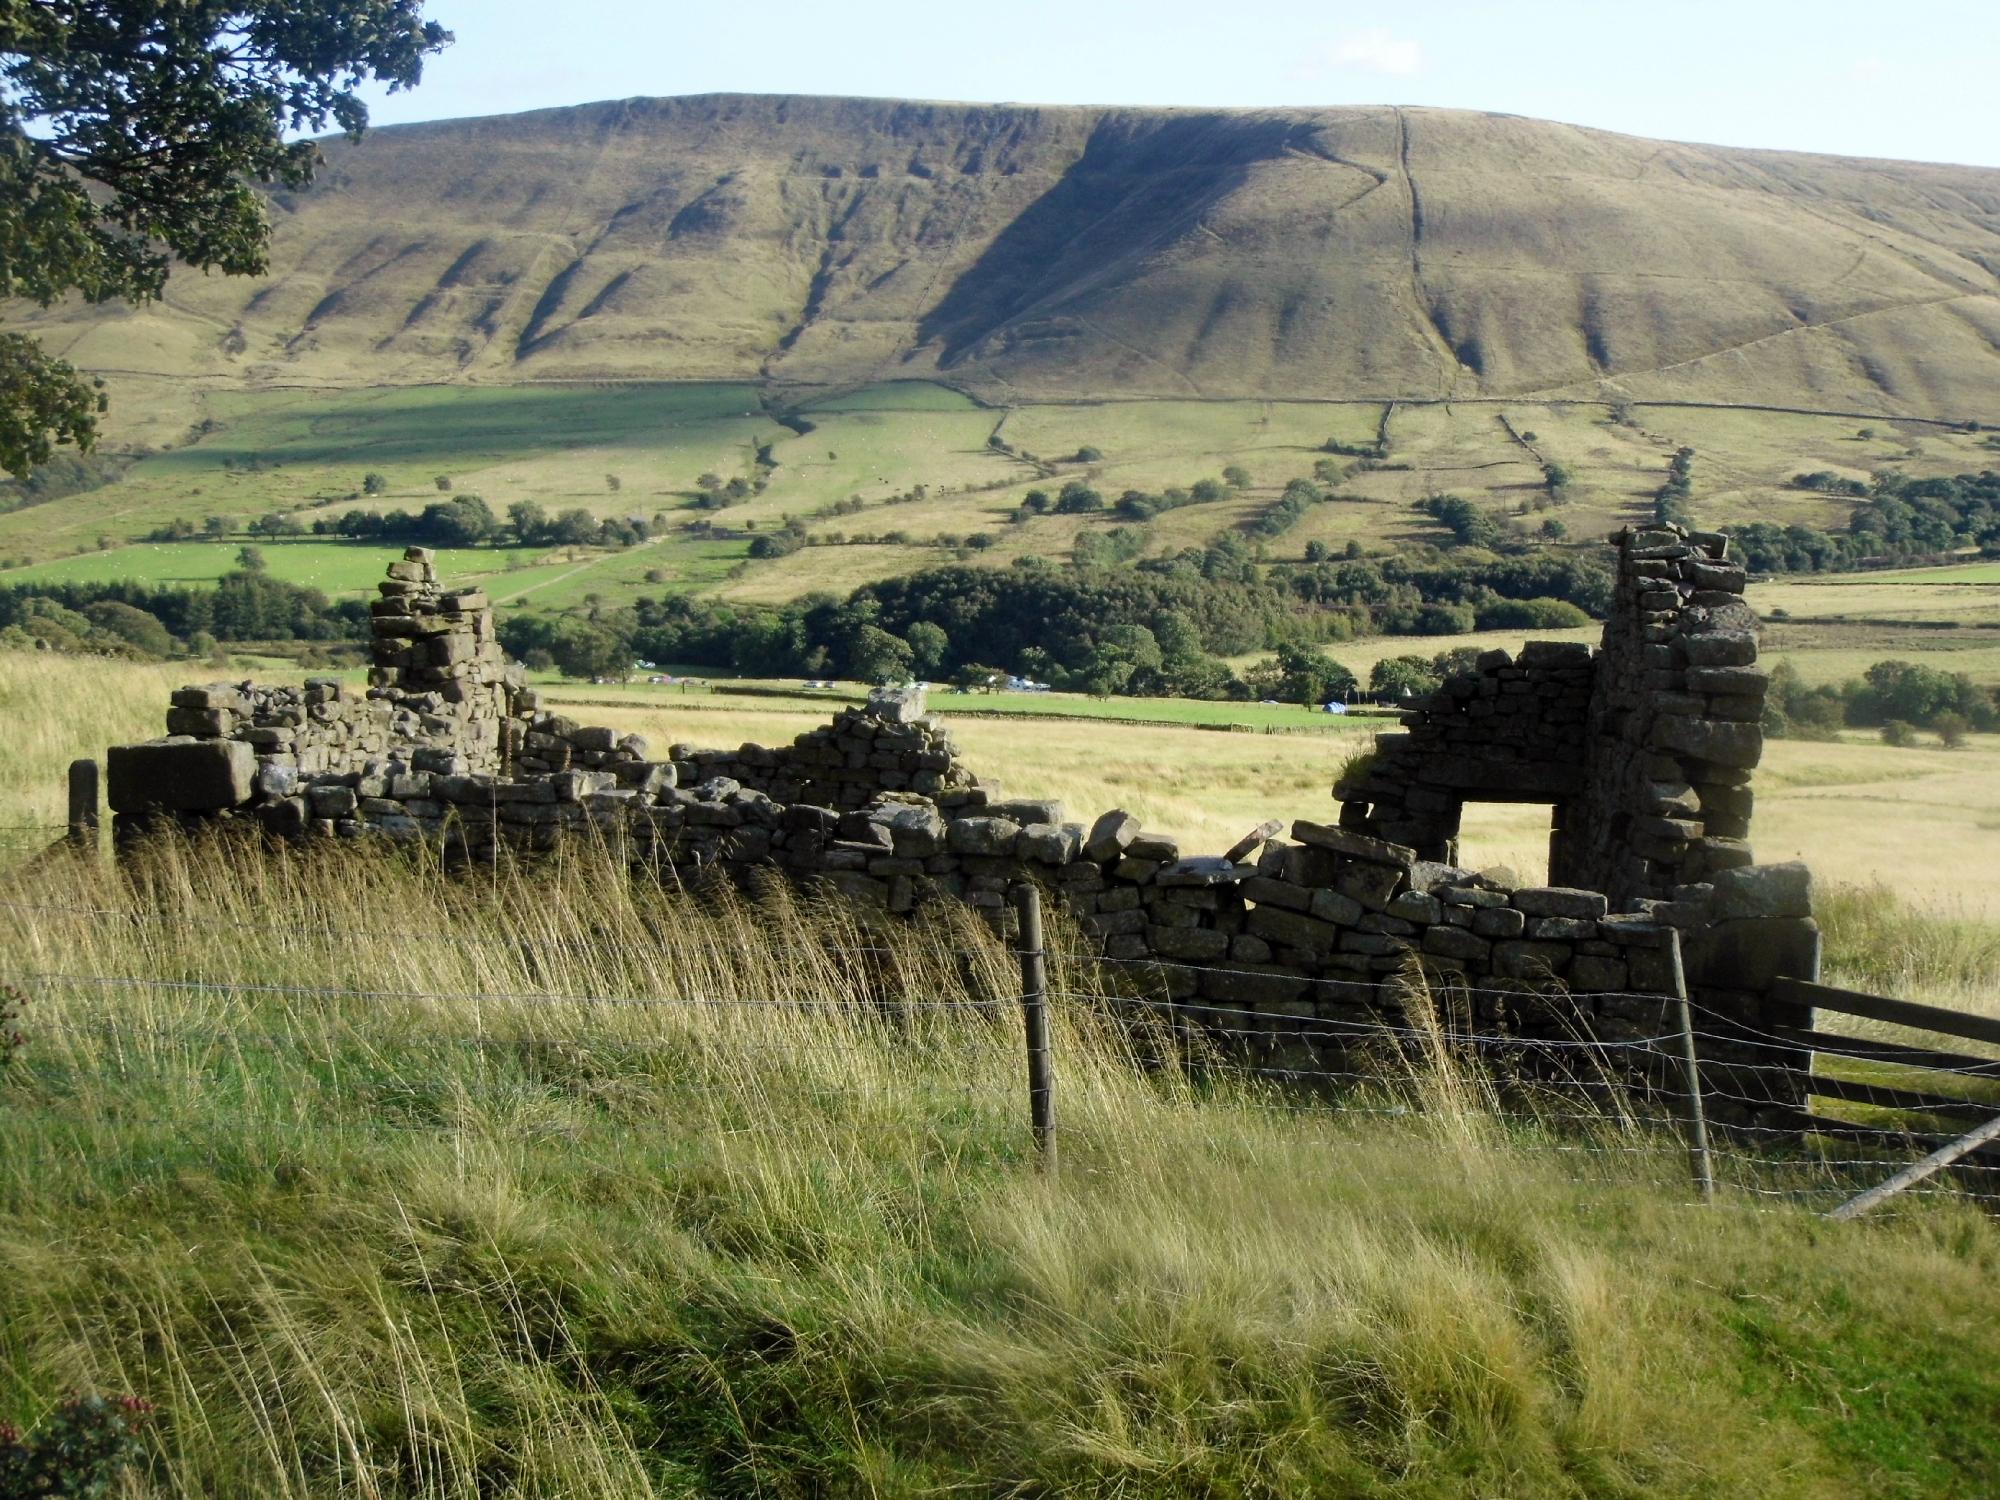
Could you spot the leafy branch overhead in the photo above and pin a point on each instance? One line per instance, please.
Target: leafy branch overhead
(132, 133)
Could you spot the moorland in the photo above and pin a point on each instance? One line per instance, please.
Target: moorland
(379, 1181)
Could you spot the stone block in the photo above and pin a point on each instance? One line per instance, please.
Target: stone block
(1562, 929)
(1249, 986)
(1591, 975)
(1374, 886)
(1763, 891)
(179, 775)
(1470, 895)
(1429, 875)
(1360, 846)
(1455, 942)
(1726, 744)
(1046, 843)
(1203, 871)
(1251, 842)
(1417, 906)
(1304, 865)
(914, 829)
(1110, 835)
(1291, 930)
(1750, 952)
(1025, 811)
(982, 835)
(1331, 906)
(1560, 901)
(1498, 922)
(1190, 944)
(1527, 959)
(1266, 891)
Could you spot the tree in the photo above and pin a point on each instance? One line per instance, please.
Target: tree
(1401, 676)
(1078, 498)
(1236, 477)
(1088, 455)
(528, 521)
(575, 527)
(463, 522)
(583, 649)
(250, 559)
(613, 483)
(131, 132)
(1951, 728)
(1310, 676)
(131, 625)
(875, 655)
(929, 648)
(373, 483)
(443, 482)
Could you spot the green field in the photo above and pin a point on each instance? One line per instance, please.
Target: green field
(1981, 573)
(919, 458)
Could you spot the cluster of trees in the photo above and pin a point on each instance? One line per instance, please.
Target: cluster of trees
(1469, 524)
(1300, 496)
(1078, 498)
(1157, 627)
(1670, 504)
(246, 605)
(1889, 695)
(1826, 482)
(468, 521)
(64, 474)
(1901, 520)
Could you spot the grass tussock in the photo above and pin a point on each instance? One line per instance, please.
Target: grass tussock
(1877, 942)
(382, 1182)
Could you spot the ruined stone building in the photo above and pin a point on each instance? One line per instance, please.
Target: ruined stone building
(1642, 750)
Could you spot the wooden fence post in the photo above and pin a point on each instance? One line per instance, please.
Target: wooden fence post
(1704, 1167)
(83, 804)
(1035, 1013)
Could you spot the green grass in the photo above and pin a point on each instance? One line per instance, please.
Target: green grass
(391, 1244)
(338, 568)
(1972, 572)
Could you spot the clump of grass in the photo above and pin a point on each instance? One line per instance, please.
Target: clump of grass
(1877, 942)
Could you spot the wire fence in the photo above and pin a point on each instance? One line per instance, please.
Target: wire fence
(1600, 1082)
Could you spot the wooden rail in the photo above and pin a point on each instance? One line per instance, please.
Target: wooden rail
(1909, 1089)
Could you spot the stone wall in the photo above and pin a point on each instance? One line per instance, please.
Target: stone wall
(1643, 750)
(441, 698)
(1288, 948)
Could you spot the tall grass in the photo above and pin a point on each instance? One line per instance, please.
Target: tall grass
(1877, 942)
(382, 1182)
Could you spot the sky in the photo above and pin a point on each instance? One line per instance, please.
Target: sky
(1912, 79)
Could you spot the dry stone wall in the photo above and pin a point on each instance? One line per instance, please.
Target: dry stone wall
(1643, 750)
(441, 698)
(1286, 948)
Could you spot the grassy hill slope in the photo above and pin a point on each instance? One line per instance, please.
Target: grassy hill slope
(1056, 253)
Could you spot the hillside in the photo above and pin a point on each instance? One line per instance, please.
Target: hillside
(1059, 253)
